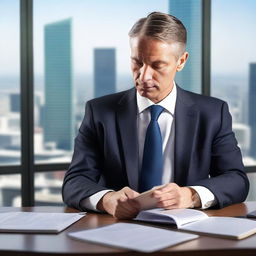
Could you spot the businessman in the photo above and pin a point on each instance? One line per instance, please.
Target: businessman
(155, 134)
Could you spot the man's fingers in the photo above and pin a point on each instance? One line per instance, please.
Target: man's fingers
(166, 188)
(128, 204)
(167, 203)
(125, 211)
(130, 193)
(164, 196)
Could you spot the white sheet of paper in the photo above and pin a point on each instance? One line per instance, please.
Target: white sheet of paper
(36, 222)
(133, 236)
(229, 227)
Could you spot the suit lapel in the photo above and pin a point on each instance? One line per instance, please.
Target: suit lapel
(185, 128)
(127, 124)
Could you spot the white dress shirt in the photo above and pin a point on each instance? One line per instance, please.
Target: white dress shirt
(166, 123)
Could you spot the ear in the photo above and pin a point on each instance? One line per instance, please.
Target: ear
(182, 61)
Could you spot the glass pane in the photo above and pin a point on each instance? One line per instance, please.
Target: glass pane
(10, 190)
(190, 13)
(234, 68)
(79, 56)
(48, 188)
(9, 83)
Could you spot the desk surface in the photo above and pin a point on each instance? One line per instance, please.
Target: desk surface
(49, 244)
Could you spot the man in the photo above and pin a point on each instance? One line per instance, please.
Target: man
(188, 146)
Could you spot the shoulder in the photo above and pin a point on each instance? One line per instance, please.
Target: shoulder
(202, 102)
(112, 100)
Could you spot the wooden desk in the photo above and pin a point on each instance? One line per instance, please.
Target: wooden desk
(43, 244)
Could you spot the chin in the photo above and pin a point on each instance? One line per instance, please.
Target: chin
(147, 95)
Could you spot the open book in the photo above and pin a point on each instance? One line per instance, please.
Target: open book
(36, 222)
(199, 222)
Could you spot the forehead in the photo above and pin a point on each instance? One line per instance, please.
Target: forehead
(146, 47)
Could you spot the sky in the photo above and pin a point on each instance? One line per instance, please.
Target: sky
(233, 37)
(100, 23)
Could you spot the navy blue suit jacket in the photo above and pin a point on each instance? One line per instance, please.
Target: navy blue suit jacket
(106, 148)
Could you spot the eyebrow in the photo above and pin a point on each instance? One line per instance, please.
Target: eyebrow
(158, 62)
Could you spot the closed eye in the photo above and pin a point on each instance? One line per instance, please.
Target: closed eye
(137, 62)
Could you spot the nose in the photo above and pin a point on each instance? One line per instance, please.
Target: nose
(145, 73)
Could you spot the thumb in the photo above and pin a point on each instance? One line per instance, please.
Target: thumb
(130, 193)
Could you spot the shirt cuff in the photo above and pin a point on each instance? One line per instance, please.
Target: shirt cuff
(206, 196)
(90, 203)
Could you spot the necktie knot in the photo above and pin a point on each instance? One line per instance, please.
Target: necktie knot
(155, 111)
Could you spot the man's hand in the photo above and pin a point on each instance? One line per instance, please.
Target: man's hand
(172, 196)
(120, 203)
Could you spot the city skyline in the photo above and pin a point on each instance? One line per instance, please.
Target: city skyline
(83, 26)
(86, 38)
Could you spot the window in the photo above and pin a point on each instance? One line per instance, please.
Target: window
(78, 56)
(71, 42)
(48, 188)
(10, 139)
(234, 68)
(234, 72)
(190, 13)
(9, 83)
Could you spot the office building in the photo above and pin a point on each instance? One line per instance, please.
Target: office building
(58, 122)
(252, 107)
(104, 71)
(15, 102)
(4, 102)
(189, 12)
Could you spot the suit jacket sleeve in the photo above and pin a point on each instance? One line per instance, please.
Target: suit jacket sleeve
(83, 178)
(227, 181)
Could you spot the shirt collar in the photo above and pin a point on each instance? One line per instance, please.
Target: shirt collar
(168, 103)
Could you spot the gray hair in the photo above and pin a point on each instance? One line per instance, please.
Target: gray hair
(161, 26)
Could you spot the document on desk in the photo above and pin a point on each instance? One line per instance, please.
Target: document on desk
(36, 222)
(133, 237)
(197, 221)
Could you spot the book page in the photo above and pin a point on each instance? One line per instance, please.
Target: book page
(133, 237)
(36, 222)
(234, 228)
(176, 216)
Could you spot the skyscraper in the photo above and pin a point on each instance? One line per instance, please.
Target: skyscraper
(104, 71)
(15, 102)
(59, 117)
(252, 107)
(189, 12)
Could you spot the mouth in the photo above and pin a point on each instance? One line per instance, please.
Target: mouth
(146, 86)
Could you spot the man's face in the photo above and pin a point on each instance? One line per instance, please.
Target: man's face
(154, 64)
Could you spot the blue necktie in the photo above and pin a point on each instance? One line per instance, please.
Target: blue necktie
(152, 163)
